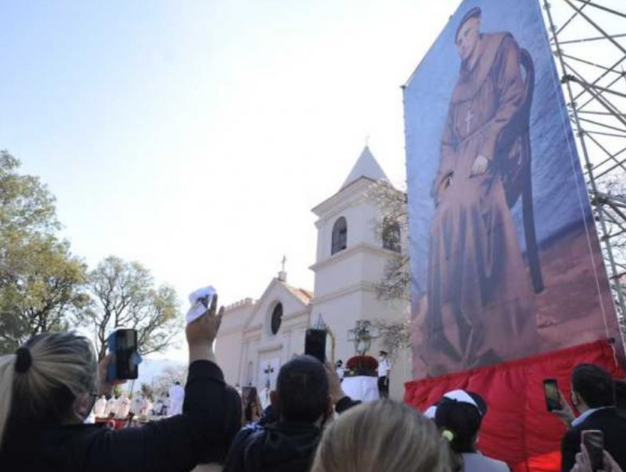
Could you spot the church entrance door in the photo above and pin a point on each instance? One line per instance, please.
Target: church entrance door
(268, 372)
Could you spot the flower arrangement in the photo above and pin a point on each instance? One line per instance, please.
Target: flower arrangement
(362, 365)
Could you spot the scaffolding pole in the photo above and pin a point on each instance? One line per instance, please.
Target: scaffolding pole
(590, 52)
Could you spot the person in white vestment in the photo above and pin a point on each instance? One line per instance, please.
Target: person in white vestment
(146, 407)
(135, 406)
(177, 397)
(265, 397)
(100, 406)
(122, 409)
(110, 406)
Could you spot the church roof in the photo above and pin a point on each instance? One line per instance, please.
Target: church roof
(302, 294)
(366, 166)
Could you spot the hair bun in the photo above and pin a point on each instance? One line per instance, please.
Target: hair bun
(24, 360)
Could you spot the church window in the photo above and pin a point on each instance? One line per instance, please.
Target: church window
(391, 235)
(277, 318)
(340, 236)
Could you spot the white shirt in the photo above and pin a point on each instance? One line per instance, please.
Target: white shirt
(135, 406)
(587, 414)
(265, 398)
(177, 394)
(177, 397)
(341, 372)
(384, 366)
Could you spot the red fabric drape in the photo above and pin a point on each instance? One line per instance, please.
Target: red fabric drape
(518, 429)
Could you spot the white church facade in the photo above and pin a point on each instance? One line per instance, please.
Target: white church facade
(258, 336)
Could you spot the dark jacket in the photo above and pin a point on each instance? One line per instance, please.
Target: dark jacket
(170, 445)
(277, 447)
(611, 423)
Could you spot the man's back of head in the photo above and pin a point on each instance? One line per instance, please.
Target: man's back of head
(593, 385)
(302, 390)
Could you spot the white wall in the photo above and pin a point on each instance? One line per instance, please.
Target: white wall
(228, 347)
(345, 282)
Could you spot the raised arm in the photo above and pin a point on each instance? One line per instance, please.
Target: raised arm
(179, 442)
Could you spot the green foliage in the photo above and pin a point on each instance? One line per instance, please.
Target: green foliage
(40, 280)
(124, 295)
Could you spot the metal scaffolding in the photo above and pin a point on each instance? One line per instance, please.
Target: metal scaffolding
(588, 39)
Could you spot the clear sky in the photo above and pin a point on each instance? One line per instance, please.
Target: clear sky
(195, 135)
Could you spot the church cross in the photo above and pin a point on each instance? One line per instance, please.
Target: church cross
(468, 118)
(284, 261)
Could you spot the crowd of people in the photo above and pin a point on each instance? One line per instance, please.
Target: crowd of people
(49, 387)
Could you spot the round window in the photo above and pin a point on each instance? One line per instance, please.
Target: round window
(277, 318)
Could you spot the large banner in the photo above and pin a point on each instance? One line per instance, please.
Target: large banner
(505, 260)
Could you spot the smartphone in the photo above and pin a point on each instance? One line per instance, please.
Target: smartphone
(551, 392)
(315, 344)
(593, 439)
(122, 344)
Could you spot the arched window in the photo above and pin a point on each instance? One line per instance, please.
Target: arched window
(340, 236)
(277, 318)
(391, 235)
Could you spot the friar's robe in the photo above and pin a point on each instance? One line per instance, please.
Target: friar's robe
(480, 302)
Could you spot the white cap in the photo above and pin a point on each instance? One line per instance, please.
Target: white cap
(459, 396)
(430, 412)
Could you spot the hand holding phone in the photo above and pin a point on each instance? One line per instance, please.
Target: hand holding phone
(315, 344)
(593, 440)
(122, 344)
(552, 395)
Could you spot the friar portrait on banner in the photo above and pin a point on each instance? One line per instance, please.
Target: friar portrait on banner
(481, 307)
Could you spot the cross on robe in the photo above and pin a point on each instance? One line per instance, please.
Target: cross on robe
(468, 118)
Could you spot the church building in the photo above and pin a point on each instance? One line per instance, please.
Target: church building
(258, 336)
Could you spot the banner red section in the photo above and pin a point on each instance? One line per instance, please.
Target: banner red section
(517, 428)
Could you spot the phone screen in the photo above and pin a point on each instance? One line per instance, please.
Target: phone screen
(594, 442)
(315, 344)
(551, 391)
(125, 350)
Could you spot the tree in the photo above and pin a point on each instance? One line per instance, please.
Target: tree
(393, 206)
(124, 295)
(41, 282)
(168, 377)
(395, 336)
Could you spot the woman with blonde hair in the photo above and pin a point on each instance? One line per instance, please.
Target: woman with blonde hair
(384, 436)
(48, 388)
